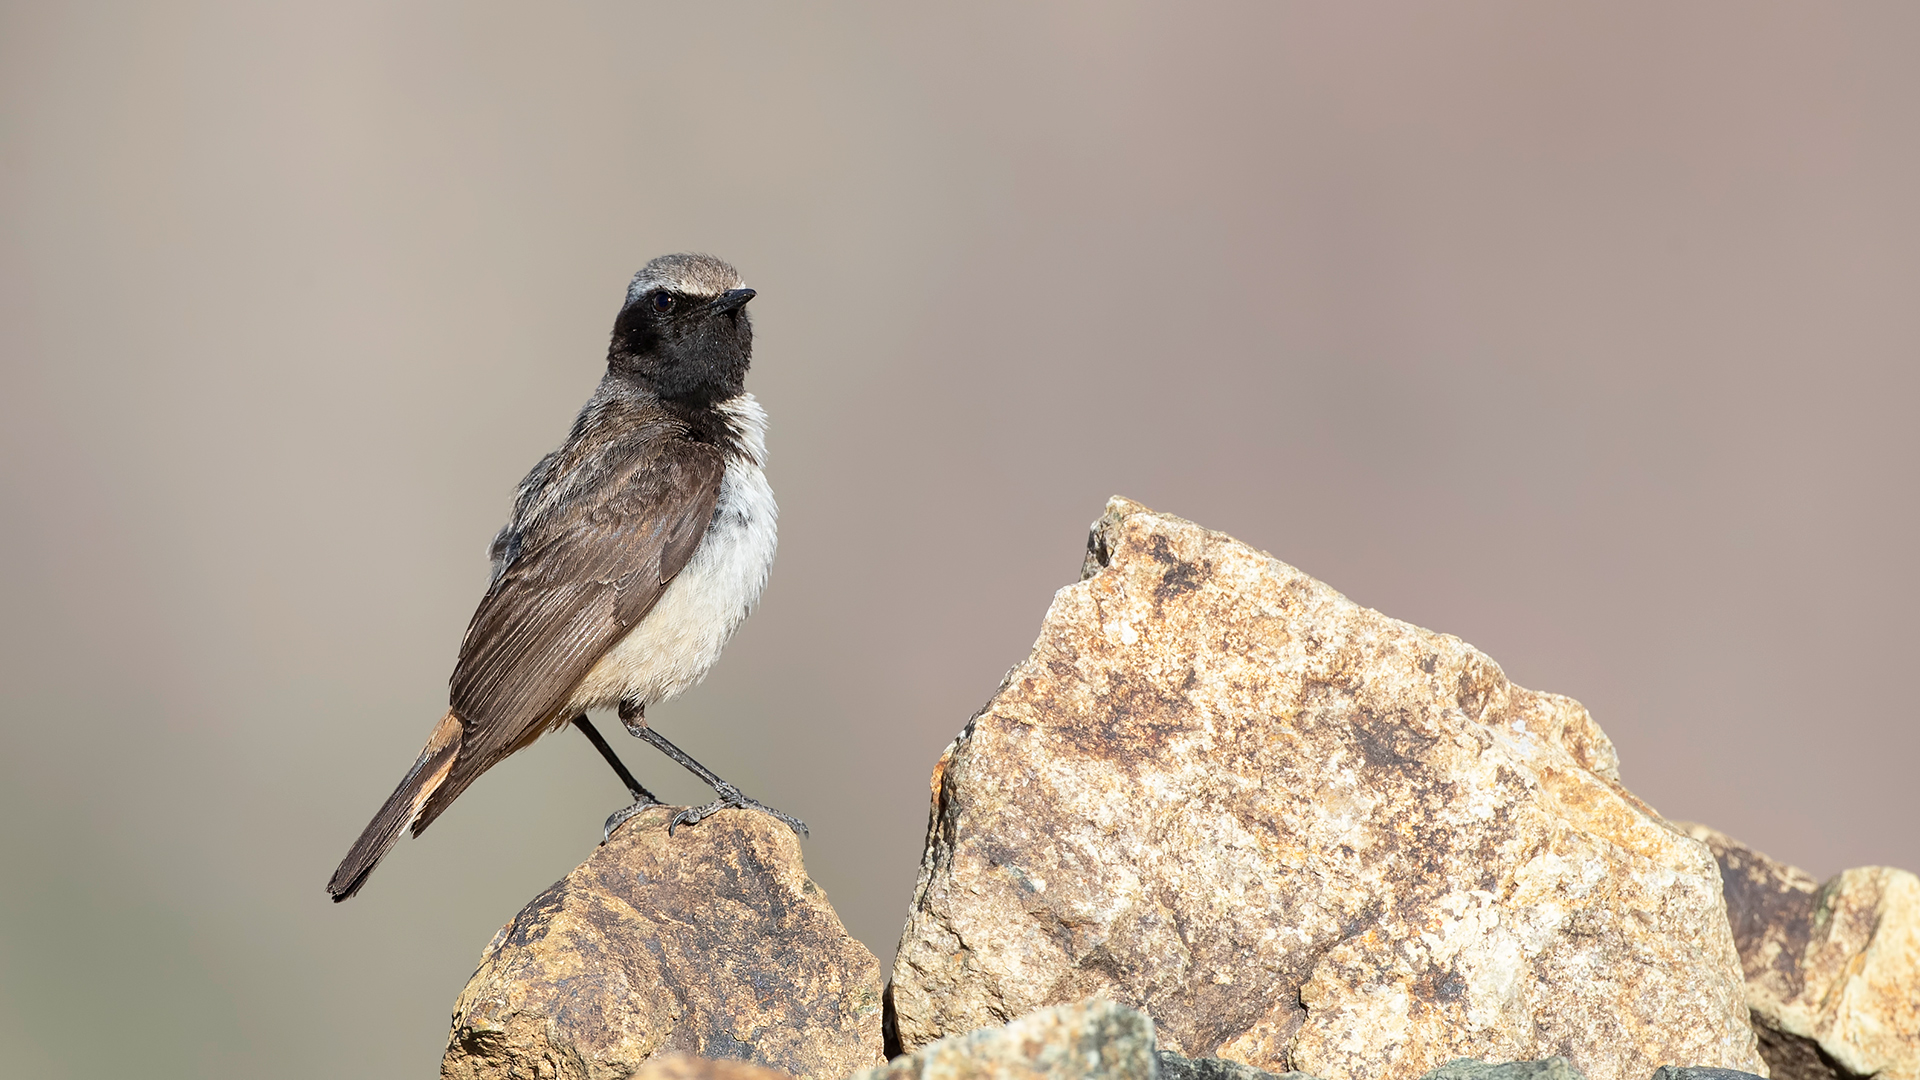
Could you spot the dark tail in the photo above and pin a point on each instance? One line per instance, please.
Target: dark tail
(400, 810)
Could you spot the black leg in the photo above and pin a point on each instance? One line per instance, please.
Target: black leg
(634, 787)
(642, 798)
(635, 719)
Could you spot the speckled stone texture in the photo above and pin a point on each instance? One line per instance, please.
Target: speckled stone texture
(711, 942)
(1304, 836)
(1177, 1067)
(1087, 1040)
(1551, 1069)
(688, 1067)
(1683, 1072)
(1833, 970)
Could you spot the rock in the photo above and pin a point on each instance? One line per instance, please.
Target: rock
(1088, 1040)
(710, 942)
(688, 1067)
(1302, 835)
(1683, 1072)
(1175, 1067)
(1553, 1068)
(1833, 971)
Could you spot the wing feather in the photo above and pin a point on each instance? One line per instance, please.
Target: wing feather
(581, 578)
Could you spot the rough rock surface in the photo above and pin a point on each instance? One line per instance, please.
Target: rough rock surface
(1302, 835)
(1685, 1072)
(1088, 1040)
(710, 942)
(1555, 1068)
(688, 1067)
(1177, 1067)
(1833, 971)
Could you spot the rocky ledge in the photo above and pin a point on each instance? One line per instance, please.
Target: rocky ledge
(1222, 824)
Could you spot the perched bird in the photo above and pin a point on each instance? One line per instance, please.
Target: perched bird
(633, 553)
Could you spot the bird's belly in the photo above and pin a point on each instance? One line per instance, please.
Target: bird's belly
(674, 644)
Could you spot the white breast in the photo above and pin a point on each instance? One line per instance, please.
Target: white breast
(674, 645)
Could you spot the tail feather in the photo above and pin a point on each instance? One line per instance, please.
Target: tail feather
(400, 810)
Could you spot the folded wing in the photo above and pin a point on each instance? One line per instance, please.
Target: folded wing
(581, 578)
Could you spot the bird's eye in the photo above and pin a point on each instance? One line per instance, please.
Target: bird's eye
(663, 302)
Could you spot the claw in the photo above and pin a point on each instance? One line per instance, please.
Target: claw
(731, 799)
(623, 815)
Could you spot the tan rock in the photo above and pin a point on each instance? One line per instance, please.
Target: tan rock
(688, 1067)
(711, 942)
(1834, 966)
(1302, 835)
(1088, 1040)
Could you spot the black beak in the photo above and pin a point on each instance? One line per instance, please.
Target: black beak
(731, 300)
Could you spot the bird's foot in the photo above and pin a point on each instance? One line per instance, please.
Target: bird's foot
(730, 798)
(625, 814)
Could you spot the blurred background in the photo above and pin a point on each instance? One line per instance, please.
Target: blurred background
(1586, 333)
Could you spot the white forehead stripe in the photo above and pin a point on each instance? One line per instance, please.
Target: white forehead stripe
(694, 275)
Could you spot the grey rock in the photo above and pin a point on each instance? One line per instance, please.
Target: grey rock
(1553, 1068)
(1304, 836)
(1088, 1040)
(1686, 1072)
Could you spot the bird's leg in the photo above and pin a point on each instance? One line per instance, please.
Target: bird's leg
(634, 716)
(642, 798)
(634, 787)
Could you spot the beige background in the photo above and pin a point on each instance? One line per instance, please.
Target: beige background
(1585, 333)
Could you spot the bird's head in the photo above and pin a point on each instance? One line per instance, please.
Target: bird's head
(684, 331)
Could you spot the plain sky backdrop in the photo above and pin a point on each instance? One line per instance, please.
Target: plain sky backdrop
(1587, 333)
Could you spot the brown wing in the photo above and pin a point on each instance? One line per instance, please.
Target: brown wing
(578, 583)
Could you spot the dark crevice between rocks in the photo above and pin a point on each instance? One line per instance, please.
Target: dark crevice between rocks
(1793, 1057)
(889, 1025)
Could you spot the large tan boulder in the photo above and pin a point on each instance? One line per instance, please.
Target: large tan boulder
(1833, 970)
(1302, 835)
(712, 942)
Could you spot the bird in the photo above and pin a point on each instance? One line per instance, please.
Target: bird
(633, 553)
